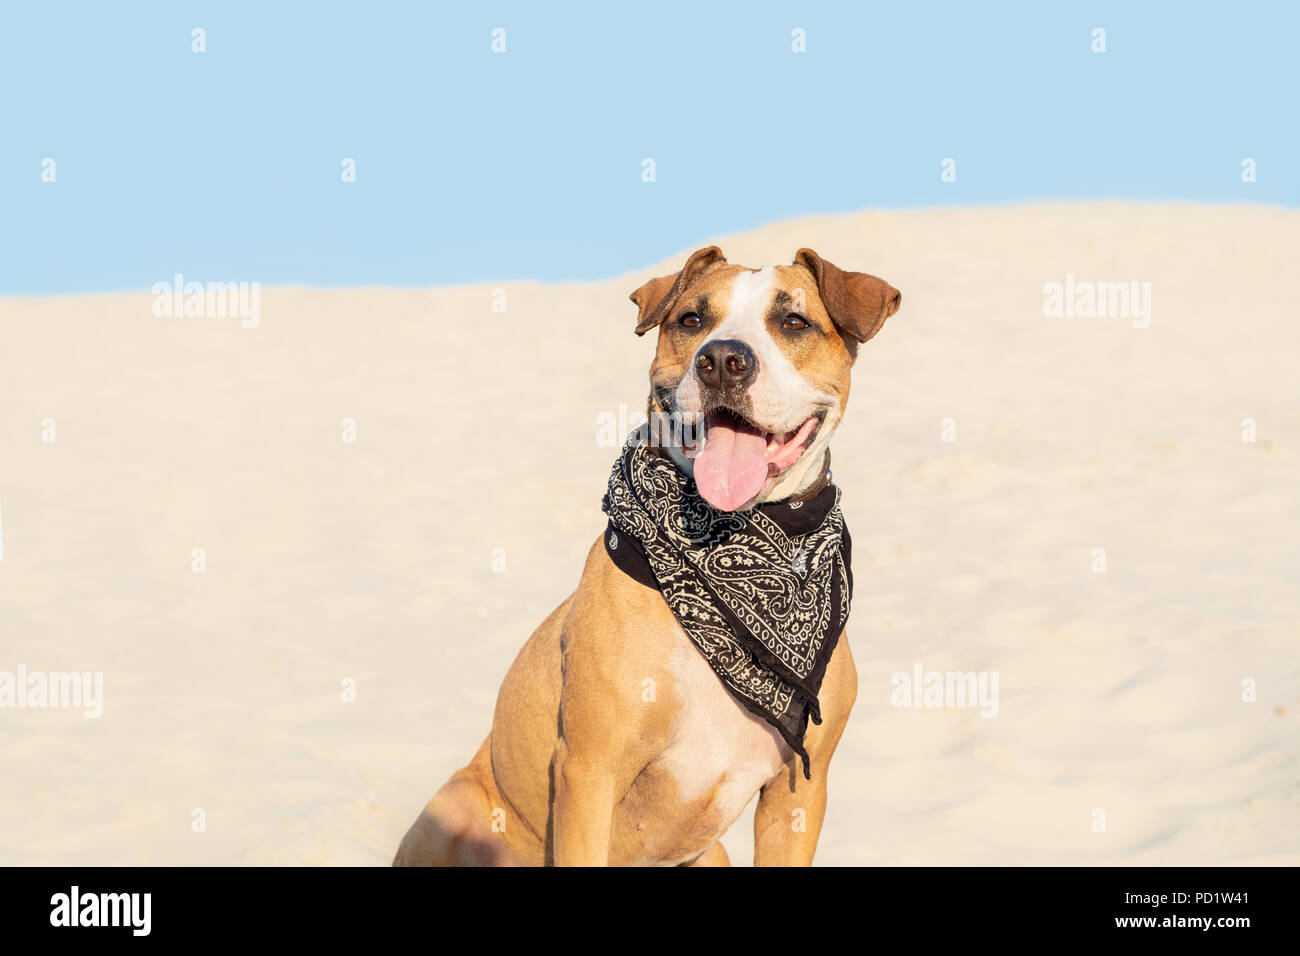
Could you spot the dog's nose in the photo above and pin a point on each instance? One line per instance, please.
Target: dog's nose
(726, 363)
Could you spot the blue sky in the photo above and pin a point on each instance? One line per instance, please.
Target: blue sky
(473, 165)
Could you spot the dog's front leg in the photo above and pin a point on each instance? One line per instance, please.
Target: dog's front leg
(789, 817)
(788, 820)
(598, 756)
(603, 744)
(585, 781)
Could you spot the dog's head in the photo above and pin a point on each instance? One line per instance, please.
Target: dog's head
(760, 358)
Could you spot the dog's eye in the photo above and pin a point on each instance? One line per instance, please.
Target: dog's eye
(794, 322)
(690, 320)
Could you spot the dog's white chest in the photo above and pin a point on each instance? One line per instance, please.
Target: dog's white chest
(718, 747)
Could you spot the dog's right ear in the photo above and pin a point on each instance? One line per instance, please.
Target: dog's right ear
(655, 299)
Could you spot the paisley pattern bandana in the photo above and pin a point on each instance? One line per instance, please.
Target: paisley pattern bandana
(764, 594)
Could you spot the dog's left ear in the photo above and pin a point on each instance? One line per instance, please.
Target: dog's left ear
(858, 303)
(655, 299)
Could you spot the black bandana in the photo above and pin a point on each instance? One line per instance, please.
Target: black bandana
(764, 594)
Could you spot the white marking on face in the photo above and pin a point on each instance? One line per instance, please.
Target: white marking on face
(751, 292)
(782, 399)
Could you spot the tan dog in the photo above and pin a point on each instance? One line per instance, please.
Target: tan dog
(579, 767)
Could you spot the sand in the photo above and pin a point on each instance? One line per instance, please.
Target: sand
(415, 560)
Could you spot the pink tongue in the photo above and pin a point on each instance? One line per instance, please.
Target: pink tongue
(733, 465)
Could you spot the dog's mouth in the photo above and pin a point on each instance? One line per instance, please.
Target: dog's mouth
(739, 456)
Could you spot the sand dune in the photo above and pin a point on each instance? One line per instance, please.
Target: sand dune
(415, 560)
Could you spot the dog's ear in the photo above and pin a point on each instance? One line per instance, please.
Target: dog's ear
(655, 299)
(858, 303)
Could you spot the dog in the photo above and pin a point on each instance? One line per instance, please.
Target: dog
(582, 766)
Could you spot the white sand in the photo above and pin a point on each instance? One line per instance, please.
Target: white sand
(477, 431)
